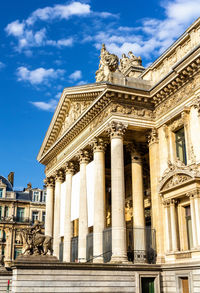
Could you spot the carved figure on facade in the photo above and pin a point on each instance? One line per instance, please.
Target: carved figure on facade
(108, 63)
(34, 241)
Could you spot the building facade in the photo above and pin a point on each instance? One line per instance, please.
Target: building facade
(18, 210)
(122, 161)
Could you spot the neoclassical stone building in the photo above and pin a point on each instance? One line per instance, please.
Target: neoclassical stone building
(122, 159)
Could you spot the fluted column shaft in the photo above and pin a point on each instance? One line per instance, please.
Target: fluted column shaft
(174, 228)
(193, 219)
(69, 171)
(99, 198)
(119, 251)
(197, 213)
(83, 210)
(49, 206)
(57, 203)
(168, 239)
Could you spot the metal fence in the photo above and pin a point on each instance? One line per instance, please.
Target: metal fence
(74, 249)
(107, 244)
(141, 245)
(89, 247)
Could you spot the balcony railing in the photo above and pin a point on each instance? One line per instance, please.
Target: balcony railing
(15, 219)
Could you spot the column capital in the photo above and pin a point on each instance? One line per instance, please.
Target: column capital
(98, 144)
(166, 202)
(153, 136)
(69, 168)
(173, 201)
(59, 175)
(193, 194)
(49, 181)
(116, 129)
(83, 156)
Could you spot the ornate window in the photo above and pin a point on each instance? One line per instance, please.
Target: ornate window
(35, 216)
(1, 212)
(1, 192)
(20, 214)
(43, 216)
(6, 211)
(180, 145)
(44, 196)
(17, 252)
(36, 196)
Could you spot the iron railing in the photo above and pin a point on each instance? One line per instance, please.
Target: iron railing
(141, 245)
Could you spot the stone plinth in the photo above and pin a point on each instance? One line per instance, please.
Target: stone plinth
(71, 277)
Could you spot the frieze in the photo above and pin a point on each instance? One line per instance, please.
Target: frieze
(175, 99)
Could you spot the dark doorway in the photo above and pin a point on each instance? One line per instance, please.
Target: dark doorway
(148, 285)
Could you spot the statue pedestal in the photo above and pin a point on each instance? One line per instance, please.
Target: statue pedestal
(34, 259)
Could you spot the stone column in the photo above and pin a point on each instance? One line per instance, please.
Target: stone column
(197, 213)
(157, 207)
(69, 171)
(56, 233)
(168, 243)
(138, 202)
(83, 211)
(193, 219)
(119, 251)
(49, 182)
(99, 198)
(174, 228)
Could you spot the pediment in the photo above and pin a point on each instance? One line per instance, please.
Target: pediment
(177, 174)
(72, 104)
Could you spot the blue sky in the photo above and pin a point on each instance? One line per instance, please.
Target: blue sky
(48, 45)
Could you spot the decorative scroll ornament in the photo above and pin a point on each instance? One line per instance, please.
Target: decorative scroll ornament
(116, 129)
(108, 63)
(34, 241)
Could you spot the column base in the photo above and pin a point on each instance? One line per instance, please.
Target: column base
(82, 260)
(98, 260)
(119, 259)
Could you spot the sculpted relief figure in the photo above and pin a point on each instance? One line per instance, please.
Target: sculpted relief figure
(34, 241)
(108, 63)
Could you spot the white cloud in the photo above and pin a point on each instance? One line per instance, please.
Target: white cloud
(15, 28)
(76, 75)
(46, 106)
(61, 43)
(2, 65)
(39, 75)
(59, 11)
(154, 35)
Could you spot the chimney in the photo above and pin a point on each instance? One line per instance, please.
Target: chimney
(11, 178)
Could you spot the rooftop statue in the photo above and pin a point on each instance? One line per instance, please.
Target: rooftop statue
(126, 62)
(108, 63)
(34, 241)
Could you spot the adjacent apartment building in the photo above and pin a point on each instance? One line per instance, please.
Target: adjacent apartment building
(18, 210)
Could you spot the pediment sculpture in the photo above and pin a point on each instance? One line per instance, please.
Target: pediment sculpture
(177, 173)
